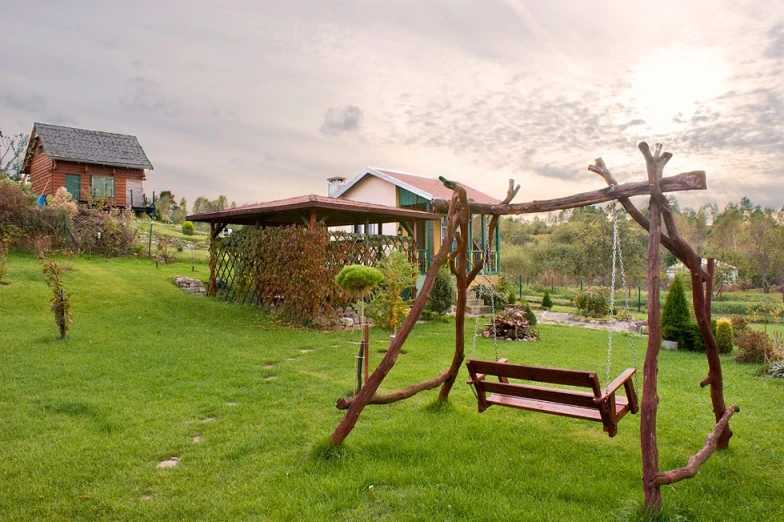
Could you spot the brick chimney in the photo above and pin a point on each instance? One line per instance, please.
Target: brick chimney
(335, 185)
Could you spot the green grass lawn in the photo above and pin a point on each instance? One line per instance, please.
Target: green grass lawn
(147, 368)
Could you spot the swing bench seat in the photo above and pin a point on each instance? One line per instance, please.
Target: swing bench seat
(599, 405)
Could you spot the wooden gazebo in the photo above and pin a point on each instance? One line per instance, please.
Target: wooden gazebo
(315, 211)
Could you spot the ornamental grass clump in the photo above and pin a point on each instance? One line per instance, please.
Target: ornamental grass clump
(61, 300)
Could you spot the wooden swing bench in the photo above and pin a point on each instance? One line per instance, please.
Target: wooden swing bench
(597, 405)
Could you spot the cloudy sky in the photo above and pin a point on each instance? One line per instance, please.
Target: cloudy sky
(261, 100)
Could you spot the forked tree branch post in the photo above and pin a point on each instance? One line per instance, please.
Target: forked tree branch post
(368, 391)
(458, 264)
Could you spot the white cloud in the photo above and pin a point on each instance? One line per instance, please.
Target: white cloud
(232, 97)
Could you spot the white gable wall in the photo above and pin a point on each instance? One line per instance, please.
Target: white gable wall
(371, 189)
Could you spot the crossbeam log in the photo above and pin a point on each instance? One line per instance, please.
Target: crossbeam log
(695, 180)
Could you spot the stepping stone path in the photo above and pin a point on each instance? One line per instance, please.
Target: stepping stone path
(231, 404)
(196, 439)
(269, 367)
(208, 419)
(165, 464)
(270, 378)
(305, 351)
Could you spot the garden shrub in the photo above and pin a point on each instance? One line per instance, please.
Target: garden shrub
(165, 252)
(752, 346)
(490, 296)
(676, 317)
(530, 316)
(19, 214)
(388, 308)
(593, 302)
(724, 335)
(442, 297)
(188, 229)
(739, 324)
(547, 301)
(510, 297)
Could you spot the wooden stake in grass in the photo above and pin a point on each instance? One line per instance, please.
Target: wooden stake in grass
(61, 300)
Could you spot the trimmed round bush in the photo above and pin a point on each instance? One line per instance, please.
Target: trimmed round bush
(358, 279)
(188, 229)
(724, 335)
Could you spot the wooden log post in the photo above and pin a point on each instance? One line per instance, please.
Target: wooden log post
(458, 266)
(650, 397)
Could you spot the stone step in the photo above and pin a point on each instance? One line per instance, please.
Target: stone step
(478, 310)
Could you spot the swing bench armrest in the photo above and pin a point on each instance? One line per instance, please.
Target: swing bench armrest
(479, 377)
(615, 385)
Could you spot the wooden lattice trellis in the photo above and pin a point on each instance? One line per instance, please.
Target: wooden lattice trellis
(239, 258)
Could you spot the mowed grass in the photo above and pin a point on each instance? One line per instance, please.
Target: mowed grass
(147, 368)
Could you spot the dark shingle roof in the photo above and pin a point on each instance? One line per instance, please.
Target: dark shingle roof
(88, 146)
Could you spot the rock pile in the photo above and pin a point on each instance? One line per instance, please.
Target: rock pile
(190, 285)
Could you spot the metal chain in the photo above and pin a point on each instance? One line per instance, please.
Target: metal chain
(612, 294)
(628, 314)
(492, 288)
(483, 273)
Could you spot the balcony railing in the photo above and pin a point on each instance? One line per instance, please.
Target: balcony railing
(474, 256)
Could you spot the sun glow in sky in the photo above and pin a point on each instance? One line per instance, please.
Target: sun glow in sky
(266, 100)
(669, 85)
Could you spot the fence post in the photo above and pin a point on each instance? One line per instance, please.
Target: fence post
(639, 297)
(520, 285)
(149, 241)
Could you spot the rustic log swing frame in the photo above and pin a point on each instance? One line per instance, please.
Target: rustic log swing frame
(458, 211)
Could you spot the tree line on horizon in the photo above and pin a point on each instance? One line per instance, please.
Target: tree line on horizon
(573, 246)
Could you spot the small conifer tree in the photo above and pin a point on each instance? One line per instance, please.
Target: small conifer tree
(547, 301)
(675, 314)
(724, 335)
(442, 297)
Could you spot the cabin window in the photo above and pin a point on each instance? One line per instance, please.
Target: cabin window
(102, 186)
(444, 228)
(40, 149)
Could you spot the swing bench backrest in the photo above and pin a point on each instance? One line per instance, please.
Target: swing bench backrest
(596, 405)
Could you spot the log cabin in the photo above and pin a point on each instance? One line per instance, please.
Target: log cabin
(88, 164)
